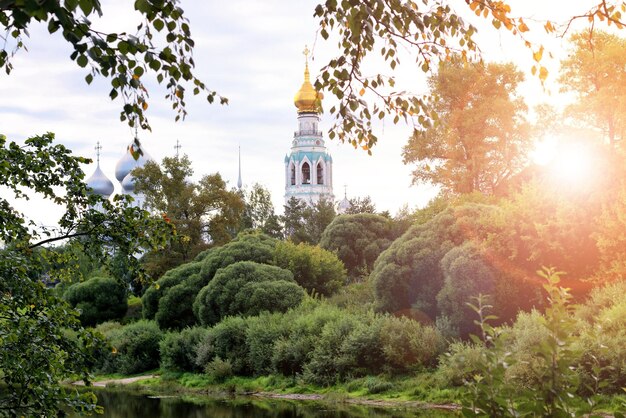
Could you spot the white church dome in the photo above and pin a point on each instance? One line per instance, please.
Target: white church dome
(100, 184)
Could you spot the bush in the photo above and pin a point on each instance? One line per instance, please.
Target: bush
(313, 268)
(137, 347)
(246, 288)
(99, 299)
(407, 345)
(150, 299)
(408, 274)
(219, 370)
(248, 246)
(227, 341)
(358, 240)
(261, 337)
(466, 274)
(178, 350)
(175, 307)
(462, 361)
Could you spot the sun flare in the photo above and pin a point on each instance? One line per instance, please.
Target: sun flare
(566, 163)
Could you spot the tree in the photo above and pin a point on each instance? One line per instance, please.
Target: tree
(481, 138)
(39, 332)
(431, 32)
(122, 57)
(315, 269)
(596, 73)
(361, 205)
(259, 211)
(358, 240)
(98, 300)
(246, 288)
(293, 220)
(204, 213)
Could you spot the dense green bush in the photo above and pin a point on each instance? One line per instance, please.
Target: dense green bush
(262, 334)
(227, 341)
(409, 275)
(99, 299)
(248, 246)
(175, 307)
(173, 277)
(313, 268)
(178, 350)
(135, 347)
(358, 240)
(407, 345)
(460, 363)
(466, 274)
(246, 288)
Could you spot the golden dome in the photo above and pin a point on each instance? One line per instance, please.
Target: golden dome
(307, 99)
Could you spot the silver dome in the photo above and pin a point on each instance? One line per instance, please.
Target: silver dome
(100, 184)
(343, 205)
(128, 184)
(127, 163)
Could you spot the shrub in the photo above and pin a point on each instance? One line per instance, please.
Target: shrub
(248, 246)
(175, 307)
(137, 347)
(227, 341)
(408, 274)
(313, 268)
(358, 240)
(466, 274)
(178, 350)
(262, 334)
(134, 311)
(150, 299)
(460, 363)
(246, 288)
(99, 299)
(407, 345)
(375, 385)
(219, 370)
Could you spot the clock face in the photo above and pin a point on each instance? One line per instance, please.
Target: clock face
(318, 142)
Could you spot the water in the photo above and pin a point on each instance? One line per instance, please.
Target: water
(118, 404)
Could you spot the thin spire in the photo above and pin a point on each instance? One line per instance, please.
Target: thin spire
(306, 53)
(345, 191)
(239, 183)
(177, 147)
(98, 148)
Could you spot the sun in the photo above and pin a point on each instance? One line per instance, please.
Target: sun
(567, 163)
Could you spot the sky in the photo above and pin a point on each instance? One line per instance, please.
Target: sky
(251, 52)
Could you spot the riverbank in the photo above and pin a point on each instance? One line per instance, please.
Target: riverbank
(413, 393)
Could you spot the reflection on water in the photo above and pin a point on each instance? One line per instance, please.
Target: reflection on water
(132, 405)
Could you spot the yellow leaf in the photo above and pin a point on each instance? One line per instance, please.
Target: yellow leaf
(362, 92)
(473, 5)
(156, 286)
(538, 54)
(543, 73)
(522, 27)
(144, 105)
(113, 350)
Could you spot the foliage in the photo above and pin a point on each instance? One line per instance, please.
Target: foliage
(219, 369)
(173, 277)
(408, 345)
(594, 72)
(466, 274)
(178, 350)
(40, 332)
(481, 140)
(421, 35)
(360, 205)
(175, 307)
(246, 288)
(610, 239)
(203, 212)
(98, 300)
(136, 347)
(262, 334)
(122, 57)
(554, 391)
(259, 211)
(358, 240)
(248, 246)
(315, 269)
(227, 341)
(304, 223)
(408, 274)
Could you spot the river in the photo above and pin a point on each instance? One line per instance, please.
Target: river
(122, 404)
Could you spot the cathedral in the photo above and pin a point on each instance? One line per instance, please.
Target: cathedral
(308, 166)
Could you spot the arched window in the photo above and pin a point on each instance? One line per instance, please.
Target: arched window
(292, 174)
(306, 173)
(320, 173)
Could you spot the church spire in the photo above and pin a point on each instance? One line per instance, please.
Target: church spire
(239, 183)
